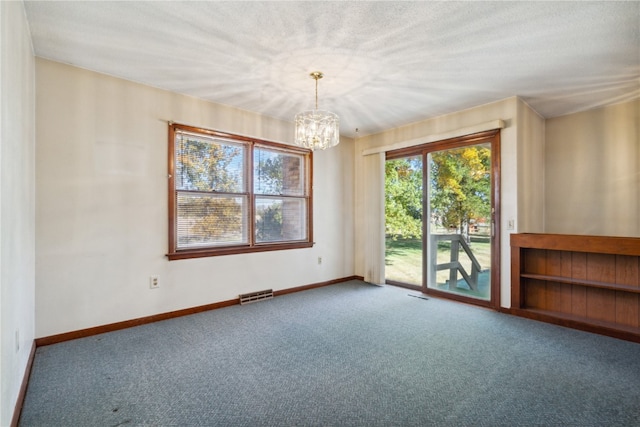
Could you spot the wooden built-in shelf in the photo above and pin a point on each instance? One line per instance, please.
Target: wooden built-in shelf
(586, 282)
(590, 283)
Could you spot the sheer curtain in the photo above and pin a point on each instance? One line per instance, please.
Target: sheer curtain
(374, 218)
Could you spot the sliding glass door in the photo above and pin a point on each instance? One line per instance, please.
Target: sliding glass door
(441, 208)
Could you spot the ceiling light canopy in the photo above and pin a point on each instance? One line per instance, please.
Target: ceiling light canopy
(317, 129)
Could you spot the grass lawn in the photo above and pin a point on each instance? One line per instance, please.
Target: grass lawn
(403, 262)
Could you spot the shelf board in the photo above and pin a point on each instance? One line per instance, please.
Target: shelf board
(577, 243)
(581, 282)
(585, 323)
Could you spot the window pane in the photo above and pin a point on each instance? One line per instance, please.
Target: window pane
(460, 220)
(278, 172)
(211, 220)
(280, 219)
(209, 164)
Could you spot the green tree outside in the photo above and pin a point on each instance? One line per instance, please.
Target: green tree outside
(215, 168)
(460, 182)
(403, 197)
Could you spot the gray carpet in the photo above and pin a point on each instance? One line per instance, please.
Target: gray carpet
(349, 354)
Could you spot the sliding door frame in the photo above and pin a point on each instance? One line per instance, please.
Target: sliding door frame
(492, 137)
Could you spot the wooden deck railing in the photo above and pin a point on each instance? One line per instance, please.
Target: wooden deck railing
(454, 265)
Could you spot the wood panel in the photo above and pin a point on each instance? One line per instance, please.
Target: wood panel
(579, 293)
(627, 305)
(601, 303)
(536, 290)
(559, 294)
(559, 297)
(535, 295)
(535, 261)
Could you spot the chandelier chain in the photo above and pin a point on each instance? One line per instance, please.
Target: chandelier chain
(316, 75)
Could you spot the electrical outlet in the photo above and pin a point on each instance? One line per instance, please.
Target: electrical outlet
(319, 260)
(154, 282)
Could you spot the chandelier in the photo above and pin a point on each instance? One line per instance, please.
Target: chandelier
(317, 129)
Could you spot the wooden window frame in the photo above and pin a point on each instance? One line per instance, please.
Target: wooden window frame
(250, 247)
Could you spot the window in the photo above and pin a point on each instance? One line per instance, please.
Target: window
(230, 194)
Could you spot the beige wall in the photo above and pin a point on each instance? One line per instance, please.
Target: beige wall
(102, 205)
(530, 171)
(17, 203)
(592, 179)
(513, 136)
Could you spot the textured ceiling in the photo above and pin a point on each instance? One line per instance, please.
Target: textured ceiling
(386, 64)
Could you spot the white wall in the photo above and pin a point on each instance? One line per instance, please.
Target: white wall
(593, 172)
(102, 205)
(17, 200)
(506, 110)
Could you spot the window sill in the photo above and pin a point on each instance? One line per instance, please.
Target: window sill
(235, 250)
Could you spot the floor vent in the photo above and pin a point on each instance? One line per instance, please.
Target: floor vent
(256, 296)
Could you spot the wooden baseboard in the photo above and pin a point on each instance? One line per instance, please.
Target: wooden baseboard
(82, 333)
(575, 323)
(23, 387)
(315, 285)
